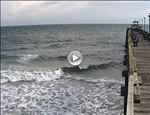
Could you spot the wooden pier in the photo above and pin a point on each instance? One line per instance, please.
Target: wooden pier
(136, 91)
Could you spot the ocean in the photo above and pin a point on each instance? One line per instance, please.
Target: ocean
(36, 78)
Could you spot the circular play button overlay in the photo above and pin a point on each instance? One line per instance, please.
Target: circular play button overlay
(75, 57)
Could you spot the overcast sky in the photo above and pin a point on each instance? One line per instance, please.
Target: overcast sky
(72, 12)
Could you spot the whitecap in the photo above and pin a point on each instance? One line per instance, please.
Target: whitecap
(36, 75)
(25, 58)
(83, 67)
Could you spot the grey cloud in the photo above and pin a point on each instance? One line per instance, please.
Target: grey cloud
(73, 12)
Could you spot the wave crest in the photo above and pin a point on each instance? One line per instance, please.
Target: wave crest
(40, 75)
(15, 75)
(89, 67)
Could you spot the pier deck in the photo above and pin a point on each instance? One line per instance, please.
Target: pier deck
(142, 59)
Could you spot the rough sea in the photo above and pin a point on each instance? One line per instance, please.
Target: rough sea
(36, 78)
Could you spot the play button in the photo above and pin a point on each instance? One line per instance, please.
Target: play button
(75, 57)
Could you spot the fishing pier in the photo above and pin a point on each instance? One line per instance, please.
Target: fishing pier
(136, 90)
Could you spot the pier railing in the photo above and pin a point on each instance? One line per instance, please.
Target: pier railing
(130, 103)
(131, 91)
(134, 80)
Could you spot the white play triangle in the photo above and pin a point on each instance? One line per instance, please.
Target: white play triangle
(75, 58)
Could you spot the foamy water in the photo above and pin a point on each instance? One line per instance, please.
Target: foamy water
(63, 97)
(25, 58)
(14, 76)
(58, 93)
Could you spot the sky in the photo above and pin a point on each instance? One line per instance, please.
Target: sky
(73, 12)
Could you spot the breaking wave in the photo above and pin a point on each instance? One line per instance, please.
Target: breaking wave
(36, 75)
(17, 75)
(90, 67)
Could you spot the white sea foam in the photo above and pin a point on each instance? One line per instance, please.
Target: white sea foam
(63, 97)
(27, 75)
(25, 58)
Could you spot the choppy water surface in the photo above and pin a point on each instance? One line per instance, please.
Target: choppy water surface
(37, 79)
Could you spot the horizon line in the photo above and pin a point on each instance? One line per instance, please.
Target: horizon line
(64, 24)
(60, 24)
